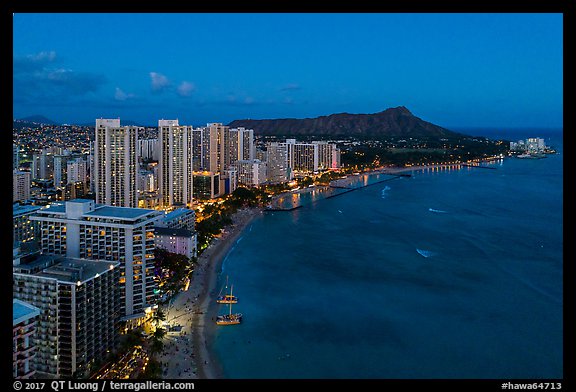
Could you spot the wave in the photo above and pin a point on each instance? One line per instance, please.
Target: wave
(239, 239)
(425, 253)
(386, 189)
(437, 211)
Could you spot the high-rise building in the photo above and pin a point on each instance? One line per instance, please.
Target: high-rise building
(175, 164)
(308, 158)
(241, 145)
(167, 123)
(60, 170)
(277, 164)
(116, 163)
(43, 164)
(20, 186)
(78, 306)
(15, 157)
(206, 185)
(148, 149)
(73, 190)
(24, 317)
(147, 181)
(81, 228)
(305, 158)
(231, 180)
(198, 150)
(234, 148)
(217, 143)
(91, 167)
(76, 170)
(25, 230)
(251, 172)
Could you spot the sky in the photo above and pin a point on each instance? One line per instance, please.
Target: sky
(454, 70)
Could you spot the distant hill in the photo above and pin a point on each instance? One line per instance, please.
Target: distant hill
(36, 120)
(33, 121)
(397, 121)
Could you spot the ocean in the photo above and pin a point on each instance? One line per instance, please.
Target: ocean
(450, 273)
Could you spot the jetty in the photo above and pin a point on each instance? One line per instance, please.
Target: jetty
(479, 166)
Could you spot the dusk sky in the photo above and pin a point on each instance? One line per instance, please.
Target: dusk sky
(454, 70)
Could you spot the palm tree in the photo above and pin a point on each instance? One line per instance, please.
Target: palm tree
(157, 317)
(159, 334)
(156, 347)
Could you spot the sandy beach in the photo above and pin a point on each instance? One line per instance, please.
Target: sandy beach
(186, 353)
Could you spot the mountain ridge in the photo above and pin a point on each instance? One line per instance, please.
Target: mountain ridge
(398, 121)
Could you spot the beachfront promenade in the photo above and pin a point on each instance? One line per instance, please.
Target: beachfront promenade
(186, 353)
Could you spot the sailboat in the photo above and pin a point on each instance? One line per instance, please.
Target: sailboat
(230, 318)
(226, 298)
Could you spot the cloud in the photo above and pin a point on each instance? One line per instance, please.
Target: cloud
(235, 100)
(120, 95)
(39, 78)
(43, 56)
(185, 89)
(291, 87)
(32, 62)
(159, 82)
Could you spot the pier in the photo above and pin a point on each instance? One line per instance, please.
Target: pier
(395, 176)
(344, 189)
(272, 209)
(479, 166)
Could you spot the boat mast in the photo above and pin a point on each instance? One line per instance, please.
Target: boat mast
(231, 287)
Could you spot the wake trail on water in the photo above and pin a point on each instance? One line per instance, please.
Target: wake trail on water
(425, 253)
(437, 211)
(386, 189)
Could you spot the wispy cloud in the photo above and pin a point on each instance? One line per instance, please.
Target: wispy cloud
(159, 82)
(291, 87)
(32, 62)
(185, 89)
(120, 95)
(235, 100)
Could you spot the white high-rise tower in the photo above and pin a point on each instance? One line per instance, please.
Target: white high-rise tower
(175, 163)
(115, 163)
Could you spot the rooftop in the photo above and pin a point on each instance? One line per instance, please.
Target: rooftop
(177, 213)
(22, 311)
(101, 210)
(72, 270)
(81, 200)
(23, 210)
(165, 231)
(54, 208)
(112, 212)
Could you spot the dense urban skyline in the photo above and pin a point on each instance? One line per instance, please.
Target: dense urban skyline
(455, 70)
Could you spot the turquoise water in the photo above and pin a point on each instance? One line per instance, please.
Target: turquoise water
(447, 274)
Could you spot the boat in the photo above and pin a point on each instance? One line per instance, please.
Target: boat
(226, 298)
(230, 318)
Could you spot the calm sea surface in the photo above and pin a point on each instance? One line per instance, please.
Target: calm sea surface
(447, 274)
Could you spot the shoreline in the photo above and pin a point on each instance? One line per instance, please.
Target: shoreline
(189, 353)
(350, 178)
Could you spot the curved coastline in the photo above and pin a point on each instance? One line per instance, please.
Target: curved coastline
(203, 335)
(189, 355)
(196, 358)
